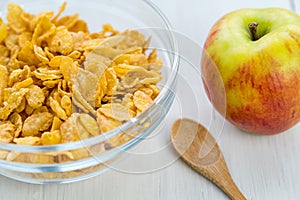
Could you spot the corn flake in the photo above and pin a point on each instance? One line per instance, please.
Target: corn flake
(35, 96)
(11, 41)
(68, 130)
(115, 111)
(36, 123)
(16, 119)
(13, 101)
(105, 123)
(141, 100)
(58, 110)
(66, 104)
(56, 124)
(141, 76)
(21, 106)
(43, 30)
(30, 141)
(27, 54)
(19, 75)
(14, 18)
(3, 81)
(67, 21)
(7, 132)
(24, 37)
(3, 30)
(61, 41)
(24, 84)
(79, 26)
(40, 54)
(50, 138)
(89, 123)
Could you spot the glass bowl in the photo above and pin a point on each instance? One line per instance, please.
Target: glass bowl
(83, 159)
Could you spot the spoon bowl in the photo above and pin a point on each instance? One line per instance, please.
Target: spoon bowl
(198, 148)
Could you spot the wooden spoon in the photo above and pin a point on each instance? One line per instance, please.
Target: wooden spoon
(198, 148)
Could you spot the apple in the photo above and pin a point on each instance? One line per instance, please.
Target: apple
(251, 69)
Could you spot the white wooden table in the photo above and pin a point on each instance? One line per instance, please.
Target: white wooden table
(265, 168)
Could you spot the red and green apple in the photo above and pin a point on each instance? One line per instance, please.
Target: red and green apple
(251, 69)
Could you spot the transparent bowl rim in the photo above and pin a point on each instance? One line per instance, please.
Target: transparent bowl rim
(134, 121)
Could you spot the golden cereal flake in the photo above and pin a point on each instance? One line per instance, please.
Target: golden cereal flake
(3, 154)
(154, 63)
(12, 156)
(18, 75)
(35, 96)
(24, 37)
(51, 138)
(16, 119)
(29, 110)
(126, 40)
(79, 26)
(141, 100)
(11, 42)
(43, 30)
(4, 55)
(40, 109)
(61, 42)
(7, 132)
(56, 124)
(67, 21)
(45, 76)
(60, 11)
(58, 110)
(15, 21)
(89, 123)
(155, 90)
(68, 68)
(66, 104)
(51, 83)
(13, 62)
(3, 81)
(30, 140)
(22, 106)
(24, 84)
(3, 30)
(101, 88)
(27, 54)
(86, 83)
(122, 69)
(40, 54)
(105, 123)
(75, 54)
(132, 59)
(68, 129)
(13, 101)
(116, 111)
(36, 123)
(48, 53)
(140, 75)
(112, 82)
(81, 102)
(81, 130)
(96, 63)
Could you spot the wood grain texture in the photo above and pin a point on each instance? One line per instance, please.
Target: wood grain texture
(199, 149)
(265, 168)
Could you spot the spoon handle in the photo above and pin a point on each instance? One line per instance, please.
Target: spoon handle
(229, 187)
(219, 174)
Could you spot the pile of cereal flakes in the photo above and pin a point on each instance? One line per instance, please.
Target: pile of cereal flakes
(59, 83)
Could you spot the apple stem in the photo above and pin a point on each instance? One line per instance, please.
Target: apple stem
(253, 29)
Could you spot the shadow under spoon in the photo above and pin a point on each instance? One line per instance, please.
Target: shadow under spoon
(198, 148)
